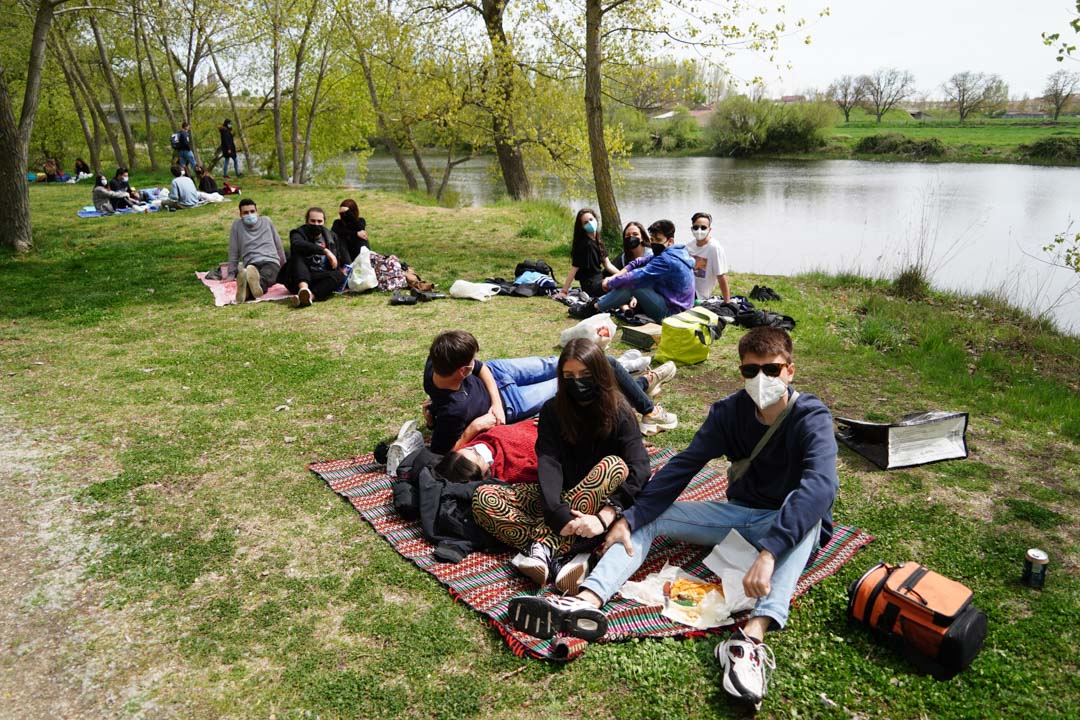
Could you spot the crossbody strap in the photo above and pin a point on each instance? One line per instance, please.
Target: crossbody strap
(772, 428)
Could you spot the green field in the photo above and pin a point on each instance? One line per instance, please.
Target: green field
(977, 139)
(166, 553)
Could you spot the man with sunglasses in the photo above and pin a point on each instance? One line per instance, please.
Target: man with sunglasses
(782, 504)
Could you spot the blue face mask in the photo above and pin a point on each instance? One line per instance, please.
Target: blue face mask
(250, 220)
(589, 227)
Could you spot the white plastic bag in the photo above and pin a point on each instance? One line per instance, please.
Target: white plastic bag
(473, 291)
(408, 441)
(599, 328)
(362, 276)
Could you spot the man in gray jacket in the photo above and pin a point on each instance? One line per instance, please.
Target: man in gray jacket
(255, 247)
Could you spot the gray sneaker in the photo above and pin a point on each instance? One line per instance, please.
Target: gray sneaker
(535, 564)
(658, 377)
(254, 281)
(241, 284)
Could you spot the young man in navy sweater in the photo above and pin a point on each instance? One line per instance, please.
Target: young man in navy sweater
(782, 505)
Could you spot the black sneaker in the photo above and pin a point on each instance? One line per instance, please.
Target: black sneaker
(583, 310)
(544, 617)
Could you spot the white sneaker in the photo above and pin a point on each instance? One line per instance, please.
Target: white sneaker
(746, 666)
(408, 441)
(544, 617)
(658, 377)
(657, 421)
(570, 575)
(535, 564)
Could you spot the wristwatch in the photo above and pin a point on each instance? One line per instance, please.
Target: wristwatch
(614, 505)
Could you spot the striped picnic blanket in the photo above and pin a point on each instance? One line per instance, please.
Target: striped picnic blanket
(486, 582)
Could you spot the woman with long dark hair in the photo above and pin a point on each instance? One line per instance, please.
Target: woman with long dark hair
(590, 465)
(350, 228)
(588, 256)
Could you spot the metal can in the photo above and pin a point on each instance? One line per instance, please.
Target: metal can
(1035, 563)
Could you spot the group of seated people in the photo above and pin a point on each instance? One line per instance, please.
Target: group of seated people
(653, 275)
(314, 267)
(110, 196)
(576, 500)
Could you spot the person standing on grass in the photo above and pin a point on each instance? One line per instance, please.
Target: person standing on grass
(183, 147)
(782, 504)
(316, 261)
(255, 247)
(710, 260)
(228, 148)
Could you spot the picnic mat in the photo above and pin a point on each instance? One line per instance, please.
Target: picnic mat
(486, 582)
(90, 212)
(225, 291)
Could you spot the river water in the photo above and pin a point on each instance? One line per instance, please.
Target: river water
(982, 227)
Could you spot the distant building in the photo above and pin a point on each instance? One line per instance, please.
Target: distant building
(791, 99)
(1020, 115)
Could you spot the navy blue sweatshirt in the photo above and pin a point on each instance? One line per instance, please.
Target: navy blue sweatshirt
(794, 473)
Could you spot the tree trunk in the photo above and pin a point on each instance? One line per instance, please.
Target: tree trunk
(384, 130)
(507, 149)
(323, 60)
(92, 101)
(15, 210)
(154, 74)
(594, 118)
(298, 68)
(142, 91)
(114, 92)
(429, 182)
(89, 134)
(279, 139)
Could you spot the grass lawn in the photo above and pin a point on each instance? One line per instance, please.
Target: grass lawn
(166, 554)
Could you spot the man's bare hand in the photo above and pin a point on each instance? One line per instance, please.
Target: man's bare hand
(586, 526)
(757, 581)
(332, 258)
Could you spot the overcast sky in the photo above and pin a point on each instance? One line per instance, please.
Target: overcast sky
(932, 38)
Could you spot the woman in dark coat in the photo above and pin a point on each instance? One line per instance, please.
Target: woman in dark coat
(350, 228)
(228, 147)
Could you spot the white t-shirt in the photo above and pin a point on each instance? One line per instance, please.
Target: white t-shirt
(709, 262)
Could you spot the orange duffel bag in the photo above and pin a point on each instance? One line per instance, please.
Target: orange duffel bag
(930, 617)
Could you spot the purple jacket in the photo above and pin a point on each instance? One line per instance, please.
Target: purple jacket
(671, 274)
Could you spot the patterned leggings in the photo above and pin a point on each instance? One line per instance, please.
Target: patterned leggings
(514, 513)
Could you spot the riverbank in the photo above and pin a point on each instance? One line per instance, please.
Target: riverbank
(167, 553)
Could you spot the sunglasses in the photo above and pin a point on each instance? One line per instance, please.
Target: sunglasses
(750, 370)
(700, 227)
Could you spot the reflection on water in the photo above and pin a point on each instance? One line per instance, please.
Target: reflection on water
(987, 224)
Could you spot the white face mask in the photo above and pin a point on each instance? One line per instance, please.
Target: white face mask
(699, 235)
(764, 390)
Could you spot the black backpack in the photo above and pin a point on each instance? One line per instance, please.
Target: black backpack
(540, 266)
(174, 141)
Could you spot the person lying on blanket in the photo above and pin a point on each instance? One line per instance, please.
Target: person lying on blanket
(504, 452)
(255, 247)
(782, 504)
(467, 396)
(590, 462)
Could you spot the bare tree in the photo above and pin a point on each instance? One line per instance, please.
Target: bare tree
(114, 91)
(971, 91)
(1059, 90)
(885, 87)
(847, 92)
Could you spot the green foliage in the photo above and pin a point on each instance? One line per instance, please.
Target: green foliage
(741, 126)
(1065, 251)
(912, 283)
(1054, 148)
(897, 144)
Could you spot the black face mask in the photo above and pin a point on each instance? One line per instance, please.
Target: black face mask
(314, 231)
(658, 248)
(583, 391)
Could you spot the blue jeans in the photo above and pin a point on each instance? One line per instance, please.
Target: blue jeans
(708, 523)
(186, 158)
(649, 301)
(525, 384)
(235, 167)
(633, 389)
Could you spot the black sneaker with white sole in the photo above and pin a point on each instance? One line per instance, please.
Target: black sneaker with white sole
(545, 617)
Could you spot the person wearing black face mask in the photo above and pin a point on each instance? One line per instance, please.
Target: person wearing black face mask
(315, 265)
(662, 285)
(350, 228)
(635, 242)
(590, 461)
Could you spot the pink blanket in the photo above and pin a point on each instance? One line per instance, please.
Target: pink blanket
(225, 291)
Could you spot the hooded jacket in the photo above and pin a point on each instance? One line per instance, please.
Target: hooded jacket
(670, 274)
